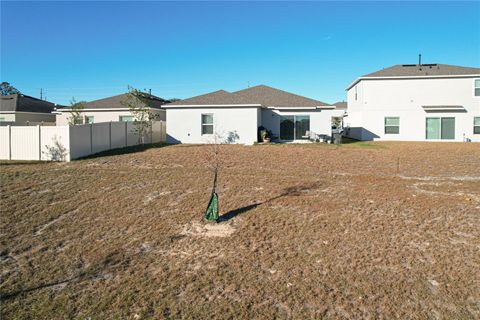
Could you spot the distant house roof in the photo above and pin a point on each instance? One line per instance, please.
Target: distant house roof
(424, 70)
(117, 102)
(256, 96)
(340, 105)
(23, 103)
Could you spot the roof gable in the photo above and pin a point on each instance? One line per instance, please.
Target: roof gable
(258, 95)
(268, 96)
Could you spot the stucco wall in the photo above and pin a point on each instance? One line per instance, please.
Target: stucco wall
(404, 98)
(23, 118)
(104, 116)
(184, 125)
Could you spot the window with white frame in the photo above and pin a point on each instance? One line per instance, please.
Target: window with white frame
(477, 88)
(355, 93)
(125, 118)
(392, 125)
(207, 123)
(88, 119)
(476, 125)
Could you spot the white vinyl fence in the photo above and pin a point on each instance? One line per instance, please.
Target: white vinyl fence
(65, 143)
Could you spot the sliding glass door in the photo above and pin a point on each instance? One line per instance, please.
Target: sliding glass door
(433, 128)
(287, 128)
(440, 128)
(294, 127)
(302, 125)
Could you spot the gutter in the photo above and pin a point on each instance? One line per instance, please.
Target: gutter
(210, 106)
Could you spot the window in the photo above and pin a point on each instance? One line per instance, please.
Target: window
(88, 119)
(126, 118)
(392, 125)
(207, 123)
(477, 87)
(2, 119)
(355, 93)
(476, 125)
(440, 128)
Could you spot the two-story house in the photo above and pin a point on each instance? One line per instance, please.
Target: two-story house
(422, 102)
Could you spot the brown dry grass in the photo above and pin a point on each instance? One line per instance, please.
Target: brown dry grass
(311, 232)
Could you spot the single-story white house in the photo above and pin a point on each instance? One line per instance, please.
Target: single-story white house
(112, 109)
(235, 117)
(22, 110)
(415, 102)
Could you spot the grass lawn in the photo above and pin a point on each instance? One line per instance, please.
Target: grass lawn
(364, 230)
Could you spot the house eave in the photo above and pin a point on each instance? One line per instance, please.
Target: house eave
(185, 106)
(102, 109)
(411, 77)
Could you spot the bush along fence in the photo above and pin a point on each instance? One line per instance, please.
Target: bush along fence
(65, 143)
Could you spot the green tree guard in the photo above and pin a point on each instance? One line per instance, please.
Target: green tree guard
(211, 213)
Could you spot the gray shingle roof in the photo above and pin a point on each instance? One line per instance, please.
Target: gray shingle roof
(23, 103)
(340, 105)
(115, 102)
(268, 96)
(405, 70)
(262, 95)
(424, 70)
(219, 97)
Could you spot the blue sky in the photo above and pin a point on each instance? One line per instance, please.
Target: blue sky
(90, 50)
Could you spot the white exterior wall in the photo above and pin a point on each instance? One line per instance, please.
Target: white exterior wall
(25, 118)
(184, 125)
(404, 98)
(104, 116)
(320, 120)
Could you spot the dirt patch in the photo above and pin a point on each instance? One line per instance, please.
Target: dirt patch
(306, 232)
(208, 229)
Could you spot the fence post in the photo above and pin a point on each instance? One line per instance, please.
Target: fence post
(126, 138)
(151, 131)
(39, 142)
(110, 135)
(91, 139)
(9, 142)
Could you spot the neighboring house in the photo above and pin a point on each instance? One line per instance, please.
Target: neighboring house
(424, 102)
(340, 105)
(236, 116)
(19, 109)
(111, 109)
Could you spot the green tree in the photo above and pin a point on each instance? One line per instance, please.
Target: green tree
(6, 89)
(137, 103)
(76, 116)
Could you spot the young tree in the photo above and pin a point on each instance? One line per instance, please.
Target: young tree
(76, 116)
(213, 163)
(6, 89)
(137, 103)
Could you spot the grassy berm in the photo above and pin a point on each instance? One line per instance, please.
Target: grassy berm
(365, 230)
